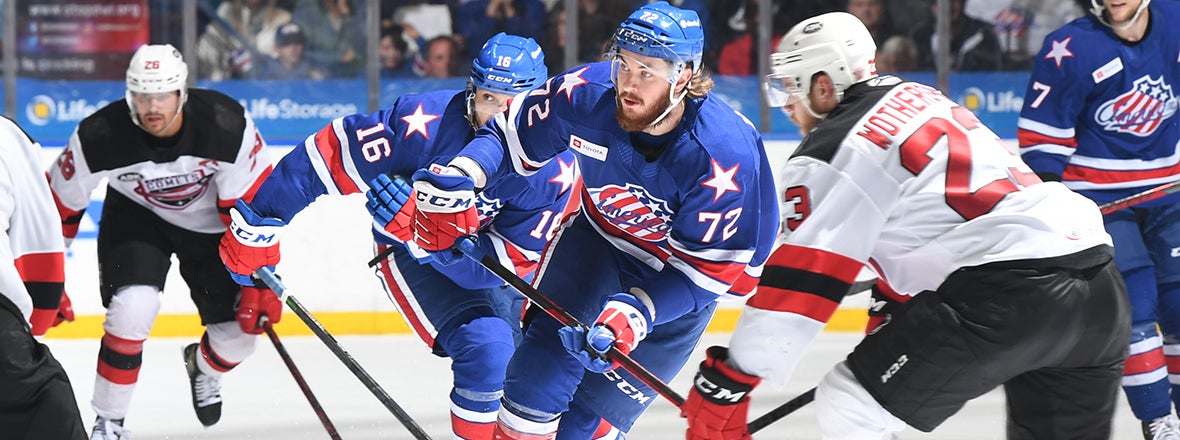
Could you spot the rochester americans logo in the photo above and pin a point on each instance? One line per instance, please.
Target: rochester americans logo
(634, 210)
(1139, 111)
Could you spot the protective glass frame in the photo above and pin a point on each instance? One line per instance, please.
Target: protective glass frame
(476, 105)
(645, 72)
(782, 90)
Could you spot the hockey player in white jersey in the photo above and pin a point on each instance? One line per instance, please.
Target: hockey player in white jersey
(175, 160)
(1012, 278)
(36, 398)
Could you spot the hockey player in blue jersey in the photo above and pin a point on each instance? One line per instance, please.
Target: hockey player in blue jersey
(455, 306)
(678, 209)
(1100, 116)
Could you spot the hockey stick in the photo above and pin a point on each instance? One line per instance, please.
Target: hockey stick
(315, 404)
(268, 276)
(782, 411)
(1145, 196)
(468, 247)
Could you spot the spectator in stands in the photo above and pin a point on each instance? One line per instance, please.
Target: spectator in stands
(597, 21)
(739, 56)
(478, 20)
(875, 16)
(290, 62)
(974, 44)
(392, 51)
(440, 59)
(230, 53)
(897, 54)
(335, 33)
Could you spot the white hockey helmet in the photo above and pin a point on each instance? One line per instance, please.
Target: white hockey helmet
(1097, 6)
(836, 43)
(157, 68)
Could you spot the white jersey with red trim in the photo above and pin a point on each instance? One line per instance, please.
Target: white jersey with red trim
(32, 254)
(902, 178)
(189, 180)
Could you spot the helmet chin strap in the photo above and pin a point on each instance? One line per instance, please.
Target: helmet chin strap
(1097, 11)
(675, 101)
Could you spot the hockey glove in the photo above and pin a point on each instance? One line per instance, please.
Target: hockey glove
(44, 319)
(392, 205)
(717, 405)
(254, 303)
(623, 323)
(446, 207)
(250, 243)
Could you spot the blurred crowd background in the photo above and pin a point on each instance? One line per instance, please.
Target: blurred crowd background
(327, 58)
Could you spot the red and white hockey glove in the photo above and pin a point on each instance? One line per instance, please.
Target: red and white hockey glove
(392, 205)
(624, 322)
(719, 401)
(446, 207)
(44, 319)
(250, 243)
(253, 304)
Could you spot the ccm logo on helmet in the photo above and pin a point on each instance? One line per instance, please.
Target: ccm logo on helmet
(812, 28)
(498, 78)
(632, 35)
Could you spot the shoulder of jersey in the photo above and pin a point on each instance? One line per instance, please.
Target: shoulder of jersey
(825, 140)
(433, 103)
(722, 131)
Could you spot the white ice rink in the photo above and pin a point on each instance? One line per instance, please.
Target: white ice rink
(262, 401)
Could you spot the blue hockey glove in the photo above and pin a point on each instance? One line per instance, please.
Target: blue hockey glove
(623, 323)
(579, 344)
(250, 242)
(392, 205)
(446, 208)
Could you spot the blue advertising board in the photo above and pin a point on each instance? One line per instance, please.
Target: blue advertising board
(288, 111)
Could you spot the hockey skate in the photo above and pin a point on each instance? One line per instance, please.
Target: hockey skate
(206, 389)
(108, 429)
(1163, 428)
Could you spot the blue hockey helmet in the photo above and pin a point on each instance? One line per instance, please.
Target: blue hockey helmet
(660, 30)
(509, 64)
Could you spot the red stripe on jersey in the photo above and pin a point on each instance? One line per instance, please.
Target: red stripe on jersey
(1145, 362)
(802, 303)
(403, 303)
(884, 287)
(743, 285)
(49, 267)
(524, 266)
(604, 428)
(1027, 138)
(1173, 364)
(817, 261)
(723, 271)
(466, 429)
(1095, 175)
(329, 148)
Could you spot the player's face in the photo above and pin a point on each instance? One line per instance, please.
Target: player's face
(642, 89)
(157, 112)
(1121, 11)
(488, 104)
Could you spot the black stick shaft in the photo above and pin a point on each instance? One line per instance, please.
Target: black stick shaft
(782, 411)
(468, 247)
(315, 403)
(267, 276)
